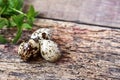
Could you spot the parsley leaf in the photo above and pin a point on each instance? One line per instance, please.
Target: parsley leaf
(11, 15)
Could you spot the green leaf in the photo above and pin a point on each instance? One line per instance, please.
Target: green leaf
(31, 15)
(17, 4)
(26, 26)
(31, 12)
(11, 7)
(2, 39)
(3, 3)
(3, 22)
(18, 19)
(3, 10)
(12, 23)
(30, 20)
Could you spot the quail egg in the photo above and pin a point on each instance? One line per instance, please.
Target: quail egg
(42, 33)
(49, 50)
(28, 49)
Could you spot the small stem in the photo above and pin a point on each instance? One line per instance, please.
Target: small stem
(20, 12)
(18, 35)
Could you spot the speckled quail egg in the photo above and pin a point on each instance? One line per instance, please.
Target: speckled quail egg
(28, 49)
(49, 50)
(42, 33)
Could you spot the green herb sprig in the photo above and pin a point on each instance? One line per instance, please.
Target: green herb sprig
(11, 15)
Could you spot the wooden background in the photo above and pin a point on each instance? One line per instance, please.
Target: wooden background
(96, 12)
(89, 52)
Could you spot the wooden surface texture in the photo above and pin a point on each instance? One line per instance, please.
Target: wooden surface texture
(88, 54)
(97, 12)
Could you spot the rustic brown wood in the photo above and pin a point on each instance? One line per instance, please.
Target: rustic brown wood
(88, 54)
(100, 12)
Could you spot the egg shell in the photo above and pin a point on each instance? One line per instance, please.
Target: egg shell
(42, 33)
(28, 49)
(49, 50)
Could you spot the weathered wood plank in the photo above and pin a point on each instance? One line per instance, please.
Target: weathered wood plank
(88, 54)
(100, 12)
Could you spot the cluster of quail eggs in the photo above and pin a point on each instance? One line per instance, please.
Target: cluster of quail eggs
(40, 44)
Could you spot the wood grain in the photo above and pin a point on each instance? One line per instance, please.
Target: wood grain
(88, 54)
(98, 12)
